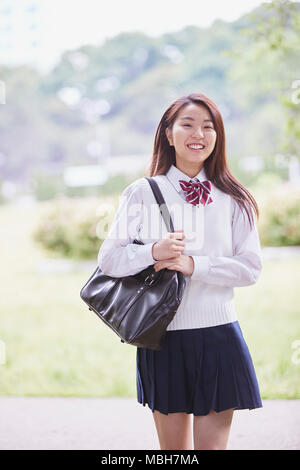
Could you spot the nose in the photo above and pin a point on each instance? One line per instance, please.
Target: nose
(198, 132)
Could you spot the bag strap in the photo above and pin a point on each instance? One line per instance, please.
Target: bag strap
(162, 204)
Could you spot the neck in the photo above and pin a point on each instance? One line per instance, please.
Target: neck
(188, 170)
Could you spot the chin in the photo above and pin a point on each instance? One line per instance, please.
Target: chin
(197, 158)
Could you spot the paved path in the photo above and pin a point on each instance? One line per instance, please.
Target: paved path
(122, 423)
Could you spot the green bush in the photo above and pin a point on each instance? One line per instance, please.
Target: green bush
(74, 227)
(47, 186)
(279, 222)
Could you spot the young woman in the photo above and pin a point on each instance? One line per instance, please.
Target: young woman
(204, 368)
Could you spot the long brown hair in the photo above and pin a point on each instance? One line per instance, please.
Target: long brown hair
(216, 166)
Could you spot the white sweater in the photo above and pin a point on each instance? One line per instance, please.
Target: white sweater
(225, 251)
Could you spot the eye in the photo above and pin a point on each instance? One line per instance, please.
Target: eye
(206, 127)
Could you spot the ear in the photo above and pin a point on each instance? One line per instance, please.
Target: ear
(169, 136)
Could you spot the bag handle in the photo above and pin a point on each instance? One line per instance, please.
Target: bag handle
(162, 204)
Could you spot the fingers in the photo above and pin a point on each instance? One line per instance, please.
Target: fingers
(178, 250)
(178, 234)
(167, 263)
(178, 245)
(163, 266)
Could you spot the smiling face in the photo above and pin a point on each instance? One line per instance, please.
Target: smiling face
(193, 125)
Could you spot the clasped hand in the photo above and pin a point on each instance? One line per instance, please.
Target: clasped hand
(182, 263)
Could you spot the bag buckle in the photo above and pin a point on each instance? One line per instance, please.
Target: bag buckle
(152, 279)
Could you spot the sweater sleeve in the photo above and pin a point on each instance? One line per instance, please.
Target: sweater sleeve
(241, 269)
(118, 256)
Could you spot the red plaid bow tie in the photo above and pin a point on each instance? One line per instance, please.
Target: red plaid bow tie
(197, 192)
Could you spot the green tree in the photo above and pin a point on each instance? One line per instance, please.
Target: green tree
(275, 49)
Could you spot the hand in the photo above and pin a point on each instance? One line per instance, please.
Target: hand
(182, 263)
(172, 245)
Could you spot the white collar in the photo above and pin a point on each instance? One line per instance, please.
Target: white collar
(174, 175)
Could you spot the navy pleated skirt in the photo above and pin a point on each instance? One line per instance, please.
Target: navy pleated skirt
(198, 370)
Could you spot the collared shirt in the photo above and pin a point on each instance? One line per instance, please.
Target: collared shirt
(225, 250)
(174, 175)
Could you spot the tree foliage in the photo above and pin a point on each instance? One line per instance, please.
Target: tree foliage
(249, 67)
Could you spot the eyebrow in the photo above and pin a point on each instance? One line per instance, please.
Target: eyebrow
(192, 119)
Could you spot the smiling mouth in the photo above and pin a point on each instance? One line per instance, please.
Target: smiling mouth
(196, 148)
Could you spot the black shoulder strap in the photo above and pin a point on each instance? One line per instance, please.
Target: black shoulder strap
(162, 204)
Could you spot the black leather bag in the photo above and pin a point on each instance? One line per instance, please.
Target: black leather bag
(138, 308)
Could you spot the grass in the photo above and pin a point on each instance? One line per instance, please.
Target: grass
(55, 346)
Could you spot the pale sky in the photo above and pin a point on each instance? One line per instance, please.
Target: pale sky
(67, 24)
(70, 24)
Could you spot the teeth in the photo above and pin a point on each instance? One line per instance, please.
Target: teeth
(195, 146)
